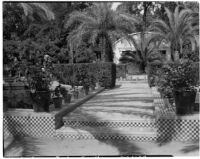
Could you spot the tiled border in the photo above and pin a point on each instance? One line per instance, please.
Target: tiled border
(36, 126)
(110, 124)
(178, 130)
(27, 123)
(106, 137)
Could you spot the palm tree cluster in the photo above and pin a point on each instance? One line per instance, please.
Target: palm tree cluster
(178, 29)
(100, 26)
(180, 26)
(64, 28)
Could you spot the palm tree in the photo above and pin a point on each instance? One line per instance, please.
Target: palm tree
(99, 25)
(146, 51)
(176, 30)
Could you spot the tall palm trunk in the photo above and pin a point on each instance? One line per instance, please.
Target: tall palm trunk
(104, 52)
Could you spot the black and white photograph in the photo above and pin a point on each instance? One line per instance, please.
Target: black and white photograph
(100, 79)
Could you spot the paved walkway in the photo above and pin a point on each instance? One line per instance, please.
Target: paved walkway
(128, 101)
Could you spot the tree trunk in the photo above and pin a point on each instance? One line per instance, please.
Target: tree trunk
(103, 49)
(142, 67)
(176, 56)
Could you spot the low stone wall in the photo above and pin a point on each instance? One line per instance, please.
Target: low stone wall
(26, 122)
(15, 94)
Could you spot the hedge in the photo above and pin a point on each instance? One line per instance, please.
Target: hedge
(74, 74)
(152, 73)
(121, 70)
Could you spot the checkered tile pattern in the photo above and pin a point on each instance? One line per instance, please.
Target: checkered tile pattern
(36, 126)
(17, 125)
(179, 130)
(110, 124)
(42, 126)
(106, 137)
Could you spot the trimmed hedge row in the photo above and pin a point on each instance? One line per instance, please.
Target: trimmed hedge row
(121, 70)
(75, 74)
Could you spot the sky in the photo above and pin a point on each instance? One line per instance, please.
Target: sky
(115, 4)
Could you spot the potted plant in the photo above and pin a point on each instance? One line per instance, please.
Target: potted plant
(39, 81)
(178, 80)
(57, 97)
(66, 95)
(86, 84)
(92, 82)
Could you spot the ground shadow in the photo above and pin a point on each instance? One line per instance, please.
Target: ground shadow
(124, 146)
(193, 147)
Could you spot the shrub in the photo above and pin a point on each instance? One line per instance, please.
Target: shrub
(180, 76)
(86, 74)
(152, 72)
(121, 70)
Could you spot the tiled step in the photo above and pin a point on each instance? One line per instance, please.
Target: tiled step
(130, 133)
(110, 124)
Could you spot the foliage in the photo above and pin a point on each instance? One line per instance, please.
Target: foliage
(145, 51)
(152, 72)
(86, 74)
(182, 76)
(13, 20)
(84, 54)
(99, 25)
(176, 30)
(121, 70)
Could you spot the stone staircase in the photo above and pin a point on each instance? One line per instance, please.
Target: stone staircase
(125, 113)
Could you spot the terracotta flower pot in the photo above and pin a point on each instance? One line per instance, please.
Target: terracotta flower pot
(184, 101)
(67, 98)
(57, 102)
(41, 101)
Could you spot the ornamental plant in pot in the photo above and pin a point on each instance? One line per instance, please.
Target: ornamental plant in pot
(66, 95)
(92, 82)
(39, 82)
(86, 85)
(178, 81)
(57, 97)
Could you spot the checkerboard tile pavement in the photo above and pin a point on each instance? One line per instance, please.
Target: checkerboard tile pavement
(179, 130)
(17, 125)
(105, 137)
(37, 126)
(110, 124)
(42, 126)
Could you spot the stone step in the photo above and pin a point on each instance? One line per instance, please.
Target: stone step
(76, 121)
(137, 134)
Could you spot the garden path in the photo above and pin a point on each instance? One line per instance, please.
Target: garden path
(128, 101)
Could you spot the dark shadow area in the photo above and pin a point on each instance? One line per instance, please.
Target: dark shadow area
(128, 112)
(14, 126)
(117, 86)
(24, 146)
(143, 99)
(119, 106)
(124, 146)
(191, 148)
